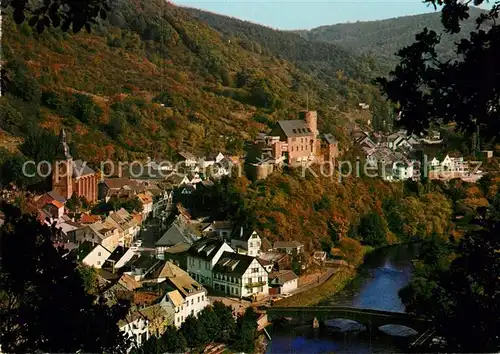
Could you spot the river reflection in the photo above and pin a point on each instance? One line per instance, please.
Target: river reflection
(382, 275)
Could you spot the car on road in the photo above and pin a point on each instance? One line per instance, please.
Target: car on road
(285, 295)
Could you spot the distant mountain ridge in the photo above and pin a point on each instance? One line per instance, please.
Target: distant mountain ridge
(384, 38)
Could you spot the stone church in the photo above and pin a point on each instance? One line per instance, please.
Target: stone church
(72, 177)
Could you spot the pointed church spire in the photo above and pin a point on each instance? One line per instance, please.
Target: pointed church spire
(62, 152)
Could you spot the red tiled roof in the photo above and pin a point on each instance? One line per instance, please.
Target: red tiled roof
(89, 219)
(145, 297)
(138, 218)
(57, 204)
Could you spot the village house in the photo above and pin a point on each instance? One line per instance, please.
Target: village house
(86, 219)
(222, 229)
(283, 282)
(92, 255)
(289, 247)
(184, 296)
(211, 159)
(146, 200)
(179, 232)
(187, 159)
(246, 241)
(402, 171)
(72, 177)
(163, 199)
(127, 224)
(119, 258)
(143, 265)
(275, 261)
(202, 257)
(240, 275)
(103, 233)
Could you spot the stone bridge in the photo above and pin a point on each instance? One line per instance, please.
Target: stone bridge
(367, 317)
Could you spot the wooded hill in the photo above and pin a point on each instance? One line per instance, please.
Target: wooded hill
(108, 87)
(382, 39)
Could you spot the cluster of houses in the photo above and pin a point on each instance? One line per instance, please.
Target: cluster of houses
(393, 156)
(170, 283)
(167, 282)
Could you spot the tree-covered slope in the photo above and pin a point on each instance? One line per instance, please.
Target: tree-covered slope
(384, 38)
(152, 79)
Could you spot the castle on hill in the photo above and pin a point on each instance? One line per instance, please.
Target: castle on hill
(291, 142)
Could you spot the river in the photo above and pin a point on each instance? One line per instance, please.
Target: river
(383, 273)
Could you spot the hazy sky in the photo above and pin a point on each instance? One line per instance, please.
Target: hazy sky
(295, 14)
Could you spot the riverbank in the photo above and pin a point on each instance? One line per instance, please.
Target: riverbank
(314, 296)
(344, 277)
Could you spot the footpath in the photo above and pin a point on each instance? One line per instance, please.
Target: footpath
(314, 283)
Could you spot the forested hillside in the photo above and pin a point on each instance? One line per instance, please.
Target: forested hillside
(384, 38)
(108, 87)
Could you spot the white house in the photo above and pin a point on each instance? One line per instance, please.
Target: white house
(202, 257)
(223, 229)
(240, 275)
(435, 163)
(185, 296)
(188, 159)
(402, 171)
(146, 200)
(286, 280)
(246, 241)
(447, 163)
(120, 257)
(136, 327)
(93, 255)
(289, 247)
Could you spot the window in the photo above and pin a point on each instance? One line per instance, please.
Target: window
(255, 270)
(249, 280)
(260, 279)
(261, 289)
(202, 297)
(198, 299)
(192, 301)
(98, 262)
(199, 263)
(192, 312)
(98, 254)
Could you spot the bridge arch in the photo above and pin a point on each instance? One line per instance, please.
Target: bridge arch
(367, 317)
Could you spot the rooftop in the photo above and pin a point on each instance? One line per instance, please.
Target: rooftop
(287, 244)
(295, 128)
(233, 263)
(283, 276)
(205, 248)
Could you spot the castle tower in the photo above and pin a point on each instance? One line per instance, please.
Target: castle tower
(62, 169)
(311, 118)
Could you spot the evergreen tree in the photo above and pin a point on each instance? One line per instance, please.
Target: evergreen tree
(43, 303)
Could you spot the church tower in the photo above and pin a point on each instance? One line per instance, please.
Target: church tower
(62, 169)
